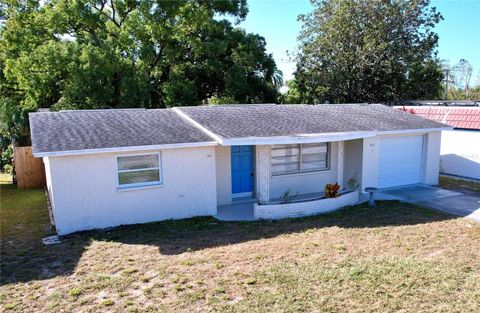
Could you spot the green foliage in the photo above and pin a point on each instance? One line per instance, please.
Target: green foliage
(6, 160)
(367, 51)
(86, 54)
(455, 93)
(13, 128)
(225, 100)
(91, 54)
(292, 95)
(424, 81)
(13, 123)
(353, 183)
(8, 168)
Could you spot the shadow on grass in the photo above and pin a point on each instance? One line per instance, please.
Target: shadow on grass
(24, 222)
(175, 237)
(25, 258)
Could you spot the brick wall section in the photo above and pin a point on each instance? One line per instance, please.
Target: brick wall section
(223, 174)
(262, 173)
(340, 163)
(286, 210)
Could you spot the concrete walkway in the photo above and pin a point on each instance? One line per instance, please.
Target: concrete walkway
(436, 198)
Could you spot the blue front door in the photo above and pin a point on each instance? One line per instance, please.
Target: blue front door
(242, 171)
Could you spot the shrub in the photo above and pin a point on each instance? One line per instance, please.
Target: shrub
(288, 196)
(8, 168)
(331, 190)
(6, 158)
(352, 183)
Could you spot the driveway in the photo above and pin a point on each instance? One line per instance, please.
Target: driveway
(448, 201)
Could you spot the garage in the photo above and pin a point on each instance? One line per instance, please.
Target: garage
(400, 161)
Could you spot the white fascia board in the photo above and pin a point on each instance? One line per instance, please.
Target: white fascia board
(197, 125)
(307, 138)
(325, 137)
(409, 131)
(126, 149)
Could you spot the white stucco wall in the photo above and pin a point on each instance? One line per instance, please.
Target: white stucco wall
(223, 167)
(353, 161)
(85, 190)
(304, 183)
(432, 158)
(370, 151)
(460, 153)
(48, 178)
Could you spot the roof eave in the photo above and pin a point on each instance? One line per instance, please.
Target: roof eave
(300, 138)
(415, 130)
(294, 139)
(124, 149)
(322, 137)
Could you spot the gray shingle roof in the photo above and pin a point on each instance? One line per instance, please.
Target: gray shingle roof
(97, 129)
(102, 129)
(237, 121)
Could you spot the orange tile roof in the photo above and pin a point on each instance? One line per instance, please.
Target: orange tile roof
(468, 118)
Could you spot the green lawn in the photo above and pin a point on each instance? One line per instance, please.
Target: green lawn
(458, 184)
(392, 258)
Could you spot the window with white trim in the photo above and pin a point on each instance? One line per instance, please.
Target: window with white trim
(139, 170)
(299, 158)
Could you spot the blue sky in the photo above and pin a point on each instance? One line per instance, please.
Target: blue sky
(276, 20)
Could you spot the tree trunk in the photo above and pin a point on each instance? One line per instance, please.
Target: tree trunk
(117, 90)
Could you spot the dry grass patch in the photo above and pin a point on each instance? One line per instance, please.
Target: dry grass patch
(395, 257)
(459, 184)
(5, 178)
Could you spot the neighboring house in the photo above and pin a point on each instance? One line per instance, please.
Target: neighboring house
(111, 167)
(460, 148)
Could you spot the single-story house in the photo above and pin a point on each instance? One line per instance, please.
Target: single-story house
(460, 148)
(111, 167)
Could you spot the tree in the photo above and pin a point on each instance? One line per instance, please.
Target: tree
(457, 80)
(463, 73)
(424, 81)
(87, 54)
(292, 95)
(368, 51)
(82, 54)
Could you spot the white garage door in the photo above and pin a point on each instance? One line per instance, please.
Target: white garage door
(400, 161)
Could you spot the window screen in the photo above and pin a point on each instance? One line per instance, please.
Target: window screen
(297, 158)
(139, 170)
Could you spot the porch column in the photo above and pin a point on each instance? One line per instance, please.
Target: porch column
(432, 157)
(340, 165)
(263, 173)
(370, 162)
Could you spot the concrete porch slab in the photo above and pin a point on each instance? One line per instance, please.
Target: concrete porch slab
(241, 211)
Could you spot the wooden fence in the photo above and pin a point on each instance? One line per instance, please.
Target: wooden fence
(29, 171)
